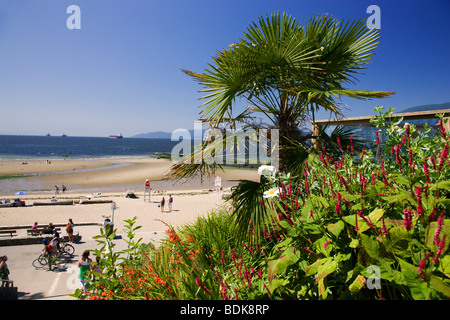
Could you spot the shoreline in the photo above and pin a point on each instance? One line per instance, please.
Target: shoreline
(104, 175)
(85, 178)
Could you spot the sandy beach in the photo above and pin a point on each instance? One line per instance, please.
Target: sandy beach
(109, 179)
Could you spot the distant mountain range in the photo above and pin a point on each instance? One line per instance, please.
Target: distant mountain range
(168, 135)
(154, 135)
(158, 135)
(427, 107)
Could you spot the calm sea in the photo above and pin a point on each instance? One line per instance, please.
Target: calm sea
(48, 148)
(43, 147)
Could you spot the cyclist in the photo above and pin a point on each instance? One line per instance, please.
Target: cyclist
(55, 240)
(48, 251)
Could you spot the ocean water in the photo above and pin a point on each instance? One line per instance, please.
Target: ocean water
(52, 147)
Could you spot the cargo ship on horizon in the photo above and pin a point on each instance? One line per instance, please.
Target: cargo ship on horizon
(116, 136)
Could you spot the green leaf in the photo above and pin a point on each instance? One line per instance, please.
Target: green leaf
(400, 197)
(320, 201)
(362, 225)
(398, 241)
(419, 289)
(400, 179)
(277, 283)
(357, 284)
(371, 246)
(323, 271)
(354, 243)
(442, 286)
(312, 269)
(277, 266)
(380, 258)
(444, 265)
(431, 232)
(443, 185)
(294, 257)
(350, 197)
(376, 215)
(343, 257)
(336, 228)
(322, 288)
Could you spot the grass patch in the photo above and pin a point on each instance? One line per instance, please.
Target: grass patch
(13, 176)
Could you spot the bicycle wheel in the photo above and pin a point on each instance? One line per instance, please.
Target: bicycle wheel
(40, 261)
(68, 248)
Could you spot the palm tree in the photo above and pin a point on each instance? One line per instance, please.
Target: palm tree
(284, 71)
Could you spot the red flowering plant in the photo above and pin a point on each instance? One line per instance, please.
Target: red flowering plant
(368, 225)
(110, 277)
(201, 260)
(214, 265)
(363, 225)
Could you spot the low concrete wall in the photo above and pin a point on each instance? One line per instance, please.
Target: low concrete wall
(9, 293)
(27, 226)
(17, 241)
(25, 240)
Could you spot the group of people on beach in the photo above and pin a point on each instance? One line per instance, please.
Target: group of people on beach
(63, 189)
(50, 246)
(163, 202)
(69, 228)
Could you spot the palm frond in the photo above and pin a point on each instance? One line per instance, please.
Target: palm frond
(250, 210)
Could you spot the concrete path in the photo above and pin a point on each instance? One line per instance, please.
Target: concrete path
(41, 284)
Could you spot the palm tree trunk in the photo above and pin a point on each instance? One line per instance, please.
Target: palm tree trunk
(286, 126)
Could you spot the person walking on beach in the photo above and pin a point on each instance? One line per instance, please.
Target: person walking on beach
(163, 201)
(56, 189)
(170, 202)
(84, 264)
(4, 271)
(69, 229)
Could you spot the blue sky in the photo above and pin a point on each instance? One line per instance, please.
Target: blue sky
(121, 72)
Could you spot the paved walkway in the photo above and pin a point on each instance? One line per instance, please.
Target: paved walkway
(41, 284)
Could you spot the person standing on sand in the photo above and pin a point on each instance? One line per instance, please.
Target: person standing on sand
(170, 202)
(56, 189)
(163, 201)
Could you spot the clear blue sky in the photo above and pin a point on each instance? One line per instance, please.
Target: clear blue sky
(121, 71)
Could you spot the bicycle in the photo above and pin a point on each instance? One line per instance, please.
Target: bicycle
(57, 258)
(40, 261)
(67, 248)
